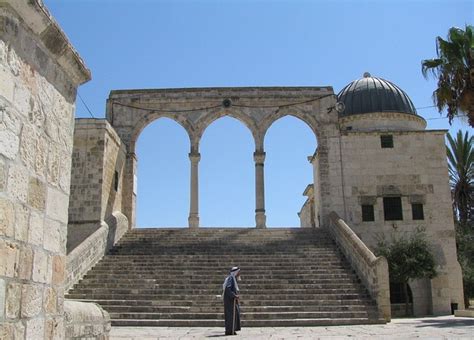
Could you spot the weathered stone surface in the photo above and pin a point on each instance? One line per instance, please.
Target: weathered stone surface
(57, 205)
(13, 300)
(36, 229)
(54, 329)
(3, 176)
(53, 241)
(50, 301)
(31, 300)
(25, 269)
(36, 194)
(35, 328)
(58, 269)
(3, 296)
(18, 183)
(22, 222)
(8, 258)
(28, 145)
(40, 266)
(7, 218)
(9, 142)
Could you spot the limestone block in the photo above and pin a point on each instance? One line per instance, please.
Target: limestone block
(35, 329)
(65, 171)
(21, 99)
(58, 269)
(54, 329)
(57, 205)
(36, 229)
(51, 128)
(18, 183)
(22, 215)
(3, 175)
(13, 61)
(28, 145)
(41, 156)
(9, 143)
(40, 266)
(7, 83)
(36, 193)
(3, 53)
(31, 300)
(3, 296)
(12, 305)
(9, 254)
(7, 218)
(53, 164)
(52, 236)
(50, 301)
(25, 268)
(36, 115)
(9, 118)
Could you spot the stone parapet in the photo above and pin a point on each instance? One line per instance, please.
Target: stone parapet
(372, 270)
(93, 247)
(86, 321)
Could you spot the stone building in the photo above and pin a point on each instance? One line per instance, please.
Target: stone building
(68, 195)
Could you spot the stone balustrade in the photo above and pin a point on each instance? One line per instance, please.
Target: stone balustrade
(372, 270)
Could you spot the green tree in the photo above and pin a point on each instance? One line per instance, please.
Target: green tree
(408, 258)
(461, 170)
(454, 70)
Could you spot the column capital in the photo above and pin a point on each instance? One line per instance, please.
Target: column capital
(194, 157)
(259, 157)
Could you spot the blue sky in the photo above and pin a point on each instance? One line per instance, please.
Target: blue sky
(165, 44)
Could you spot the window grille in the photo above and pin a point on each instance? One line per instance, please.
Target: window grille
(368, 213)
(417, 211)
(392, 207)
(386, 141)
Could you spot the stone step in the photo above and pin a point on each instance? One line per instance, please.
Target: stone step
(245, 323)
(245, 315)
(219, 309)
(218, 302)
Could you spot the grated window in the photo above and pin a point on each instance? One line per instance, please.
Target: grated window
(386, 141)
(368, 213)
(392, 208)
(417, 211)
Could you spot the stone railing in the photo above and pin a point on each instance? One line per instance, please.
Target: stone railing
(372, 270)
(83, 257)
(86, 320)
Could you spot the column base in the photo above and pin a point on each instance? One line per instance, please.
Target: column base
(261, 220)
(193, 221)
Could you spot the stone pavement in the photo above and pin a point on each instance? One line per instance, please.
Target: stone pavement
(444, 327)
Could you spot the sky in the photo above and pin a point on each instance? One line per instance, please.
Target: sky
(177, 43)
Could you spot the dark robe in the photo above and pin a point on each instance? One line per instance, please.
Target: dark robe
(231, 308)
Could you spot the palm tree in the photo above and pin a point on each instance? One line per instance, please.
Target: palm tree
(461, 170)
(454, 69)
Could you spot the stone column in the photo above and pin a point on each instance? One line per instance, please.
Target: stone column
(260, 218)
(193, 218)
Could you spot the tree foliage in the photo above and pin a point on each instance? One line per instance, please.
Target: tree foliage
(452, 68)
(461, 170)
(408, 257)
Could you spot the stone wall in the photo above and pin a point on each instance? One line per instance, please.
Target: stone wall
(307, 212)
(415, 169)
(97, 178)
(39, 74)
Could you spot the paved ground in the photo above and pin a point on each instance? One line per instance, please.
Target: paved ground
(445, 327)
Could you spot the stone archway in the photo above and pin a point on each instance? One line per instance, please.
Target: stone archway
(130, 111)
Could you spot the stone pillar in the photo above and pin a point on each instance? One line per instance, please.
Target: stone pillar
(260, 218)
(129, 195)
(193, 218)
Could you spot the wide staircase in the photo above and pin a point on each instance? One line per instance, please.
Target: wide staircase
(173, 277)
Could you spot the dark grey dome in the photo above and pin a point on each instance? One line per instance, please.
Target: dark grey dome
(372, 94)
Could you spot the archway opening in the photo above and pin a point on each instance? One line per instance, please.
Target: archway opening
(288, 143)
(226, 175)
(163, 175)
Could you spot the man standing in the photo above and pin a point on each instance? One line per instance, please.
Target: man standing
(231, 302)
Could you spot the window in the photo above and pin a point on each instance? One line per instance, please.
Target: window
(386, 141)
(116, 180)
(417, 211)
(392, 208)
(368, 213)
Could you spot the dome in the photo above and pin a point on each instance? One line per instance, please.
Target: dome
(372, 94)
